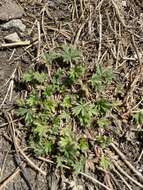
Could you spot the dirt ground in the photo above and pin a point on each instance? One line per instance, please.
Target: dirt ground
(106, 31)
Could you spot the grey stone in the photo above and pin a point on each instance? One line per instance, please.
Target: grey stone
(9, 9)
(12, 37)
(16, 23)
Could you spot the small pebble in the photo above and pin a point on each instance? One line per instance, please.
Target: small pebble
(16, 23)
(12, 37)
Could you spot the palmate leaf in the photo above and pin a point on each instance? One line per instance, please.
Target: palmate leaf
(40, 77)
(138, 117)
(40, 129)
(103, 122)
(48, 91)
(66, 102)
(70, 54)
(32, 76)
(83, 145)
(103, 105)
(84, 108)
(85, 113)
(104, 162)
(25, 113)
(32, 100)
(101, 78)
(21, 111)
(76, 71)
(41, 147)
(65, 116)
(104, 141)
(28, 76)
(50, 57)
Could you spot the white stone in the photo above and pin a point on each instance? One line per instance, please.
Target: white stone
(12, 37)
(16, 23)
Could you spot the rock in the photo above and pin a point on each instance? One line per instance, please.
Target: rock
(9, 9)
(12, 37)
(16, 23)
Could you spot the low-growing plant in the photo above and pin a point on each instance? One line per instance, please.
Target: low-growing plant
(56, 113)
(138, 117)
(104, 162)
(101, 78)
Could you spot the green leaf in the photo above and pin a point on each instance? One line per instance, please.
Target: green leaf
(48, 91)
(138, 117)
(103, 122)
(78, 166)
(29, 117)
(83, 145)
(50, 57)
(40, 129)
(32, 100)
(28, 76)
(76, 72)
(104, 162)
(101, 78)
(32, 76)
(21, 111)
(66, 102)
(103, 105)
(47, 147)
(50, 105)
(104, 141)
(70, 53)
(40, 77)
(85, 112)
(65, 116)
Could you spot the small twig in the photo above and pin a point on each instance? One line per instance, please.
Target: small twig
(16, 44)
(17, 156)
(125, 174)
(9, 90)
(122, 156)
(122, 178)
(119, 15)
(9, 179)
(139, 71)
(3, 164)
(30, 163)
(136, 105)
(65, 34)
(39, 40)
(79, 33)
(141, 154)
(100, 36)
(81, 173)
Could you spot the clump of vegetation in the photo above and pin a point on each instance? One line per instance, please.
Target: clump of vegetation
(57, 110)
(138, 117)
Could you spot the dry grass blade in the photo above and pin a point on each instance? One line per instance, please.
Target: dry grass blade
(125, 174)
(122, 178)
(81, 173)
(122, 156)
(6, 181)
(16, 44)
(30, 163)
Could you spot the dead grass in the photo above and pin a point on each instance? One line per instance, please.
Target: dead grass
(109, 33)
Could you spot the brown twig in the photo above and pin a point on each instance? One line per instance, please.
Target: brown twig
(81, 173)
(125, 174)
(122, 178)
(8, 179)
(17, 157)
(122, 156)
(16, 44)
